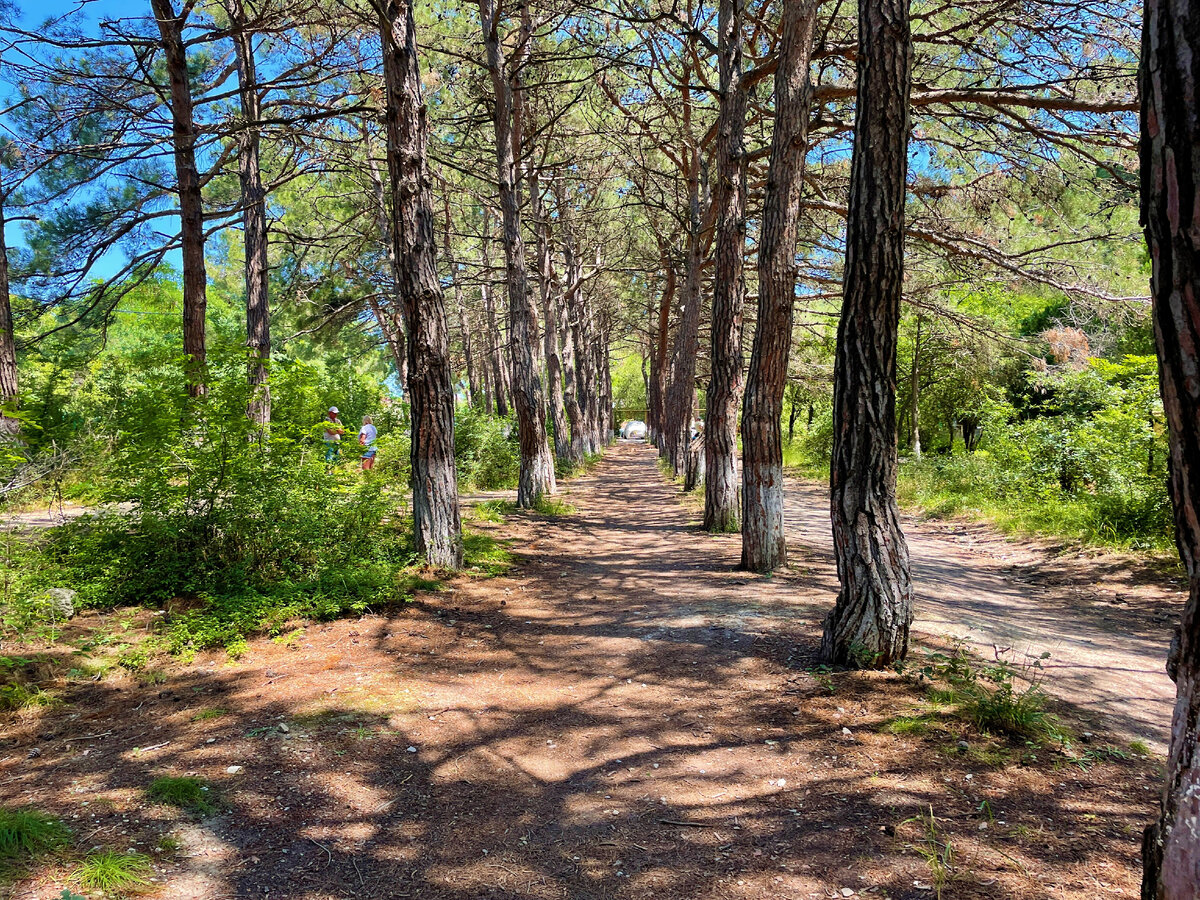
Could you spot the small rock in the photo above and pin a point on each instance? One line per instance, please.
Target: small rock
(1086, 737)
(60, 603)
(34, 753)
(234, 770)
(283, 727)
(963, 746)
(847, 892)
(983, 826)
(413, 750)
(211, 741)
(846, 731)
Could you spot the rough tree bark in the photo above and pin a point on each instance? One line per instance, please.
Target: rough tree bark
(1170, 166)
(659, 360)
(554, 367)
(914, 408)
(187, 177)
(393, 326)
(537, 468)
(681, 393)
(497, 361)
(578, 322)
(869, 625)
(254, 220)
(436, 520)
(721, 512)
(763, 544)
(9, 426)
(460, 306)
(570, 365)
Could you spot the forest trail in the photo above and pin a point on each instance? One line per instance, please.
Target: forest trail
(1104, 618)
(624, 715)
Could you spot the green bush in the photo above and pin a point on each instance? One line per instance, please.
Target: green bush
(486, 451)
(242, 531)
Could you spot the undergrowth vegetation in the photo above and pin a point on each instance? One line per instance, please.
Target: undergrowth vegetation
(225, 530)
(1075, 451)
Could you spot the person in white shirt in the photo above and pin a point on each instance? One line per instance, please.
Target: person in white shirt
(366, 436)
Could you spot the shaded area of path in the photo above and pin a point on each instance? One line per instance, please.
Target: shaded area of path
(625, 716)
(1105, 619)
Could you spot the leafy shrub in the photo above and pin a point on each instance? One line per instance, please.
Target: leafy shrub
(486, 451)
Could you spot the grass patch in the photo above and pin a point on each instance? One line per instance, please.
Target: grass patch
(909, 725)
(194, 795)
(552, 506)
(490, 511)
(1139, 748)
(30, 833)
(206, 715)
(484, 553)
(1008, 710)
(111, 871)
(16, 696)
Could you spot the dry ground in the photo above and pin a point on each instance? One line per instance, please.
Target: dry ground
(623, 716)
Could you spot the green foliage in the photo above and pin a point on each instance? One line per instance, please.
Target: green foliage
(485, 451)
(112, 871)
(195, 795)
(1000, 697)
(28, 833)
(16, 696)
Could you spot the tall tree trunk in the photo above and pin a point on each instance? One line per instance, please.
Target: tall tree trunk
(497, 359)
(578, 319)
(1170, 167)
(460, 307)
(554, 374)
(604, 426)
(659, 359)
(431, 384)
(254, 221)
(485, 374)
(721, 512)
(914, 408)
(536, 468)
(9, 426)
(764, 546)
(187, 178)
(393, 335)
(394, 327)
(681, 394)
(869, 625)
(570, 365)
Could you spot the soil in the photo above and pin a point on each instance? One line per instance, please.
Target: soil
(623, 715)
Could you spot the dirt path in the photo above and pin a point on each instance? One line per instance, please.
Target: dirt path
(1105, 618)
(624, 716)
